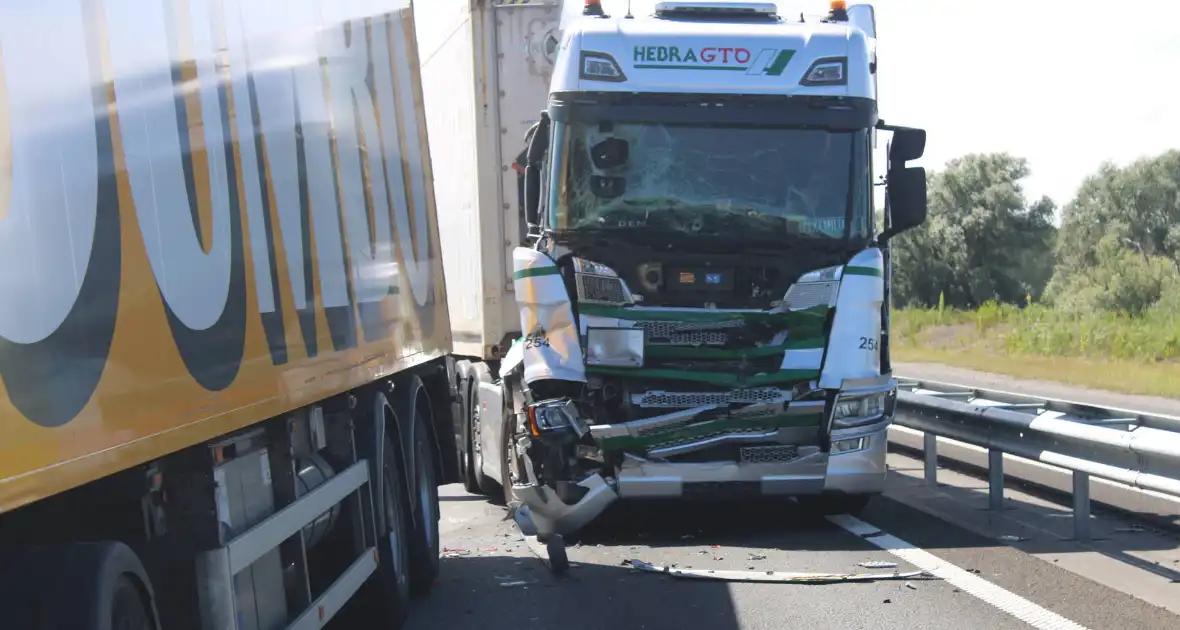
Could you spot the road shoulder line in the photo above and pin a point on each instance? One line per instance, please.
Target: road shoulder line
(1005, 600)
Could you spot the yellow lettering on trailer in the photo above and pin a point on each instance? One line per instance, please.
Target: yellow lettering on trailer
(210, 213)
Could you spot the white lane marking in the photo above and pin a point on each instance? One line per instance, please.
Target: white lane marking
(1006, 601)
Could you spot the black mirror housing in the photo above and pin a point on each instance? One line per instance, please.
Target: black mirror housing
(906, 193)
(906, 144)
(538, 145)
(610, 153)
(607, 187)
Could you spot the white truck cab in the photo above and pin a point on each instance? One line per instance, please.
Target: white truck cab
(703, 295)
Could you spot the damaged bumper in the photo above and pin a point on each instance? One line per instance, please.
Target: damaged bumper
(544, 513)
(857, 462)
(708, 452)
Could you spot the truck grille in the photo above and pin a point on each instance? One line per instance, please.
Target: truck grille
(769, 454)
(662, 399)
(600, 289)
(811, 294)
(709, 436)
(688, 334)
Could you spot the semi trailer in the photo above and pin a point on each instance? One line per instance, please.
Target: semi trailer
(666, 275)
(226, 379)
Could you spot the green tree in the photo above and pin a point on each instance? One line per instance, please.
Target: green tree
(1119, 245)
(981, 241)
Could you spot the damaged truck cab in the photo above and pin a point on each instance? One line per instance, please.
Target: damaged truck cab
(704, 298)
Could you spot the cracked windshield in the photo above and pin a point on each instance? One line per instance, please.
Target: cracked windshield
(699, 179)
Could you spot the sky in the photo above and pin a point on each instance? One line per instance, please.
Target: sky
(1066, 85)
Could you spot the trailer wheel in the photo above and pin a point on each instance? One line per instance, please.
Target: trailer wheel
(385, 599)
(84, 586)
(424, 549)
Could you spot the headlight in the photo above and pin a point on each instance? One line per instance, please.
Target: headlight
(814, 288)
(553, 415)
(615, 347)
(827, 71)
(854, 411)
(599, 284)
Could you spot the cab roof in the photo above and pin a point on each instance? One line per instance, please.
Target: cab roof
(715, 54)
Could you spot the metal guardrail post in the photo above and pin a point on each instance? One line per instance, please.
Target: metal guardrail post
(1084, 439)
(1081, 505)
(995, 479)
(930, 458)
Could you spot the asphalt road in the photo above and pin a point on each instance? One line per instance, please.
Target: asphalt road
(491, 580)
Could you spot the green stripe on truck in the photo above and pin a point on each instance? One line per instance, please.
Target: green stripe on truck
(535, 272)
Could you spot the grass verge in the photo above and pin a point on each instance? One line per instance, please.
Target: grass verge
(1138, 355)
(1125, 377)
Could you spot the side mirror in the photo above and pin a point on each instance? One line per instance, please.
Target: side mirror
(906, 144)
(538, 144)
(905, 192)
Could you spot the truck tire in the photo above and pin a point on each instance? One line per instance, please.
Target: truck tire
(485, 484)
(80, 586)
(466, 464)
(424, 547)
(384, 601)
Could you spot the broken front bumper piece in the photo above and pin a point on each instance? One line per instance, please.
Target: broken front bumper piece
(543, 513)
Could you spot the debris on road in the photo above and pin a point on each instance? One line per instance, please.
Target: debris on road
(1011, 539)
(773, 576)
(877, 564)
(910, 585)
(454, 553)
(515, 583)
(1134, 529)
(757, 556)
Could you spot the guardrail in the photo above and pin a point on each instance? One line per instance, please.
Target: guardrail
(1129, 447)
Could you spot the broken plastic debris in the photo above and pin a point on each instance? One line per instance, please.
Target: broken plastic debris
(757, 556)
(773, 576)
(1008, 538)
(910, 585)
(877, 564)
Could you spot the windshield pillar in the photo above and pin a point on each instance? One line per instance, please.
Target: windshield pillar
(555, 209)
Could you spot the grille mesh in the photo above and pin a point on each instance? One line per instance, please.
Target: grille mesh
(663, 399)
(768, 454)
(600, 289)
(687, 334)
(706, 436)
(809, 294)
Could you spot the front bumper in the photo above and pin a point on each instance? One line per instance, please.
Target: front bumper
(854, 465)
(543, 513)
(859, 471)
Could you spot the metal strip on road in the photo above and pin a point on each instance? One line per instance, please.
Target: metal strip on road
(1005, 600)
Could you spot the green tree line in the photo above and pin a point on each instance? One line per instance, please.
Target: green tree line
(1117, 249)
